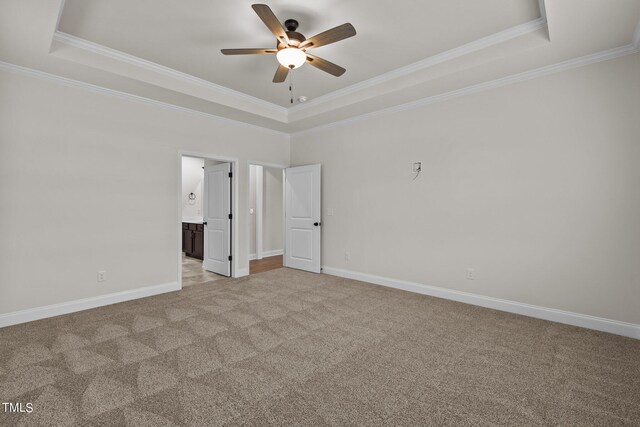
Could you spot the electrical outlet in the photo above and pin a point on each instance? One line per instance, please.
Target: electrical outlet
(347, 256)
(102, 276)
(417, 167)
(471, 274)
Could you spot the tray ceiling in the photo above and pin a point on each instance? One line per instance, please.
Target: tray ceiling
(406, 54)
(187, 36)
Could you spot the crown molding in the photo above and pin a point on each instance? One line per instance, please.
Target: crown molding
(30, 72)
(58, 19)
(60, 12)
(543, 10)
(481, 87)
(543, 15)
(283, 114)
(515, 78)
(474, 46)
(273, 111)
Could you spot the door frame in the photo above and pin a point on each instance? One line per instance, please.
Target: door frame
(235, 271)
(259, 214)
(259, 224)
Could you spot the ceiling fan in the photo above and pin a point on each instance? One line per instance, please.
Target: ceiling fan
(291, 46)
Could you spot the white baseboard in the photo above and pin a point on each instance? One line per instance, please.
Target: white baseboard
(38, 313)
(274, 252)
(241, 272)
(266, 254)
(585, 321)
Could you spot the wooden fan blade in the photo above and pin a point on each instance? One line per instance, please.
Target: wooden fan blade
(271, 21)
(281, 74)
(333, 35)
(247, 51)
(326, 66)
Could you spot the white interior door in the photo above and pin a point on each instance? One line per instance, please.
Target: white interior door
(302, 218)
(217, 219)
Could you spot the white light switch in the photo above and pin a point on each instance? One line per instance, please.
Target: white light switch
(330, 211)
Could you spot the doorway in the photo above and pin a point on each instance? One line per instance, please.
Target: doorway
(266, 217)
(207, 231)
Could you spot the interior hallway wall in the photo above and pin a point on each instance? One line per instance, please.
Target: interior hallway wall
(272, 209)
(273, 212)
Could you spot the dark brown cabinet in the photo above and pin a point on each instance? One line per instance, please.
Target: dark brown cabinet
(193, 240)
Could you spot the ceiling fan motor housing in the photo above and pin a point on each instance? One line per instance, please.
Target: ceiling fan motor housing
(295, 38)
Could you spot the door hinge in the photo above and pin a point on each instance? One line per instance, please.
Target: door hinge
(230, 216)
(230, 257)
(230, 174)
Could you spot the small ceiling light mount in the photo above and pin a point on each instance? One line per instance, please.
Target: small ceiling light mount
(291, 24)
(302, 99)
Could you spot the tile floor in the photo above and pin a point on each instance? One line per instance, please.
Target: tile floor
(193, 273)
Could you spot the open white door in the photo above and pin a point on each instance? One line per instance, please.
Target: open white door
(217, 219)
(302, 218)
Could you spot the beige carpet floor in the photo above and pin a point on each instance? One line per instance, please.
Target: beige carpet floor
(292, 348)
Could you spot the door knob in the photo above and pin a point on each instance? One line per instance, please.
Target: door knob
(317, 224)
(204, 223)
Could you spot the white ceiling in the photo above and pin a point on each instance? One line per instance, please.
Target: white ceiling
(167, 51)
(187, 35)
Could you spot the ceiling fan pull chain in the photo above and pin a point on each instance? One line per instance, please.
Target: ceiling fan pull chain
(291, 84)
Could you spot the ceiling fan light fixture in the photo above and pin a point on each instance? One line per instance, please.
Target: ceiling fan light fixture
(291, 57)
(292, 46)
